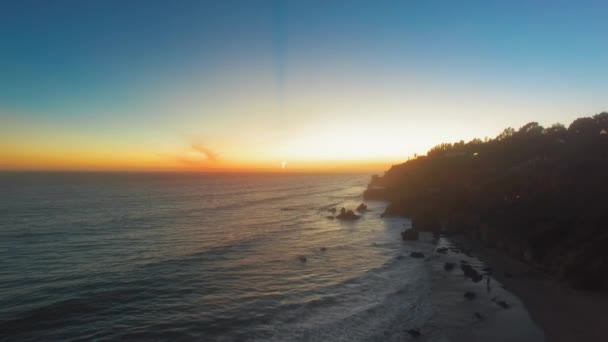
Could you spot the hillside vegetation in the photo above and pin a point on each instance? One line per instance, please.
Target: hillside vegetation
(540, 194)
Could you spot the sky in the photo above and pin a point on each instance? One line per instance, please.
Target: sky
(306, 85)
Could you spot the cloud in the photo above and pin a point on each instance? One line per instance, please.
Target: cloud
(208, 153)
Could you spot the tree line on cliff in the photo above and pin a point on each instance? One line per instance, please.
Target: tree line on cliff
(539, 193)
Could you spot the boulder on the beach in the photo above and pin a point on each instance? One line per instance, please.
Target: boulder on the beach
(348, 215)
(409, 235)
(302, 258)
(414, 332)
(448, 266)
(477, 278)
(417, 255)
(362, 207)
(470, 272)
(323, 249)
(503, 304)
(470, 295)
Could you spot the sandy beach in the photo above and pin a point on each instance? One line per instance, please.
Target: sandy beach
(565, 314)
(540, 307)
(480, 318)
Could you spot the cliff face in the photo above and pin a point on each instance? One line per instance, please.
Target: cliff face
(539, 194)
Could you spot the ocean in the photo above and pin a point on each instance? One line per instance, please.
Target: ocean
(209, 257)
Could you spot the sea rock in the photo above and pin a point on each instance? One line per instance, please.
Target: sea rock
(362, 207)
(442, 250)
(417, 255)
(330, 217)
(409, 235)
(448, 266)
(302, 258)
(470, 295)
(323, 249)
(332, 210)
(478, 315)
(348, 215)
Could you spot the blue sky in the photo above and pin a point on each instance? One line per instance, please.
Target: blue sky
(247, 76)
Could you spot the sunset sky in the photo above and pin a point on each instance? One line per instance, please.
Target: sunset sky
(321, 85)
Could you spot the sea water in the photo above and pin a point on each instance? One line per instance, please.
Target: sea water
(213, 257)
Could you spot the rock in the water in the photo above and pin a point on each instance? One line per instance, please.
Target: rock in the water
(330, 217)
(442, 250)
(409, 235)
(302, 258)
(347, 215)
(323, 249)
(417, 255)
(332, 210)
(414, 332)
(448, 266)
(470, 295)
(362, 207)
(478, 315)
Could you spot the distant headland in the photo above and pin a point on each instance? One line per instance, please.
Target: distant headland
(538, 193)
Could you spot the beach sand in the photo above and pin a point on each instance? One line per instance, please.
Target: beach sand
(540, 307)
(563, 313)
(479, 319)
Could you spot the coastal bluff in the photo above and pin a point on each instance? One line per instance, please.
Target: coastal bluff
(538, 194)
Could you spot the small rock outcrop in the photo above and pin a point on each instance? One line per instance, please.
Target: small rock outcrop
(302, 258)
(470, 295)
(348, 215)
(362, 207)
(448, 266)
